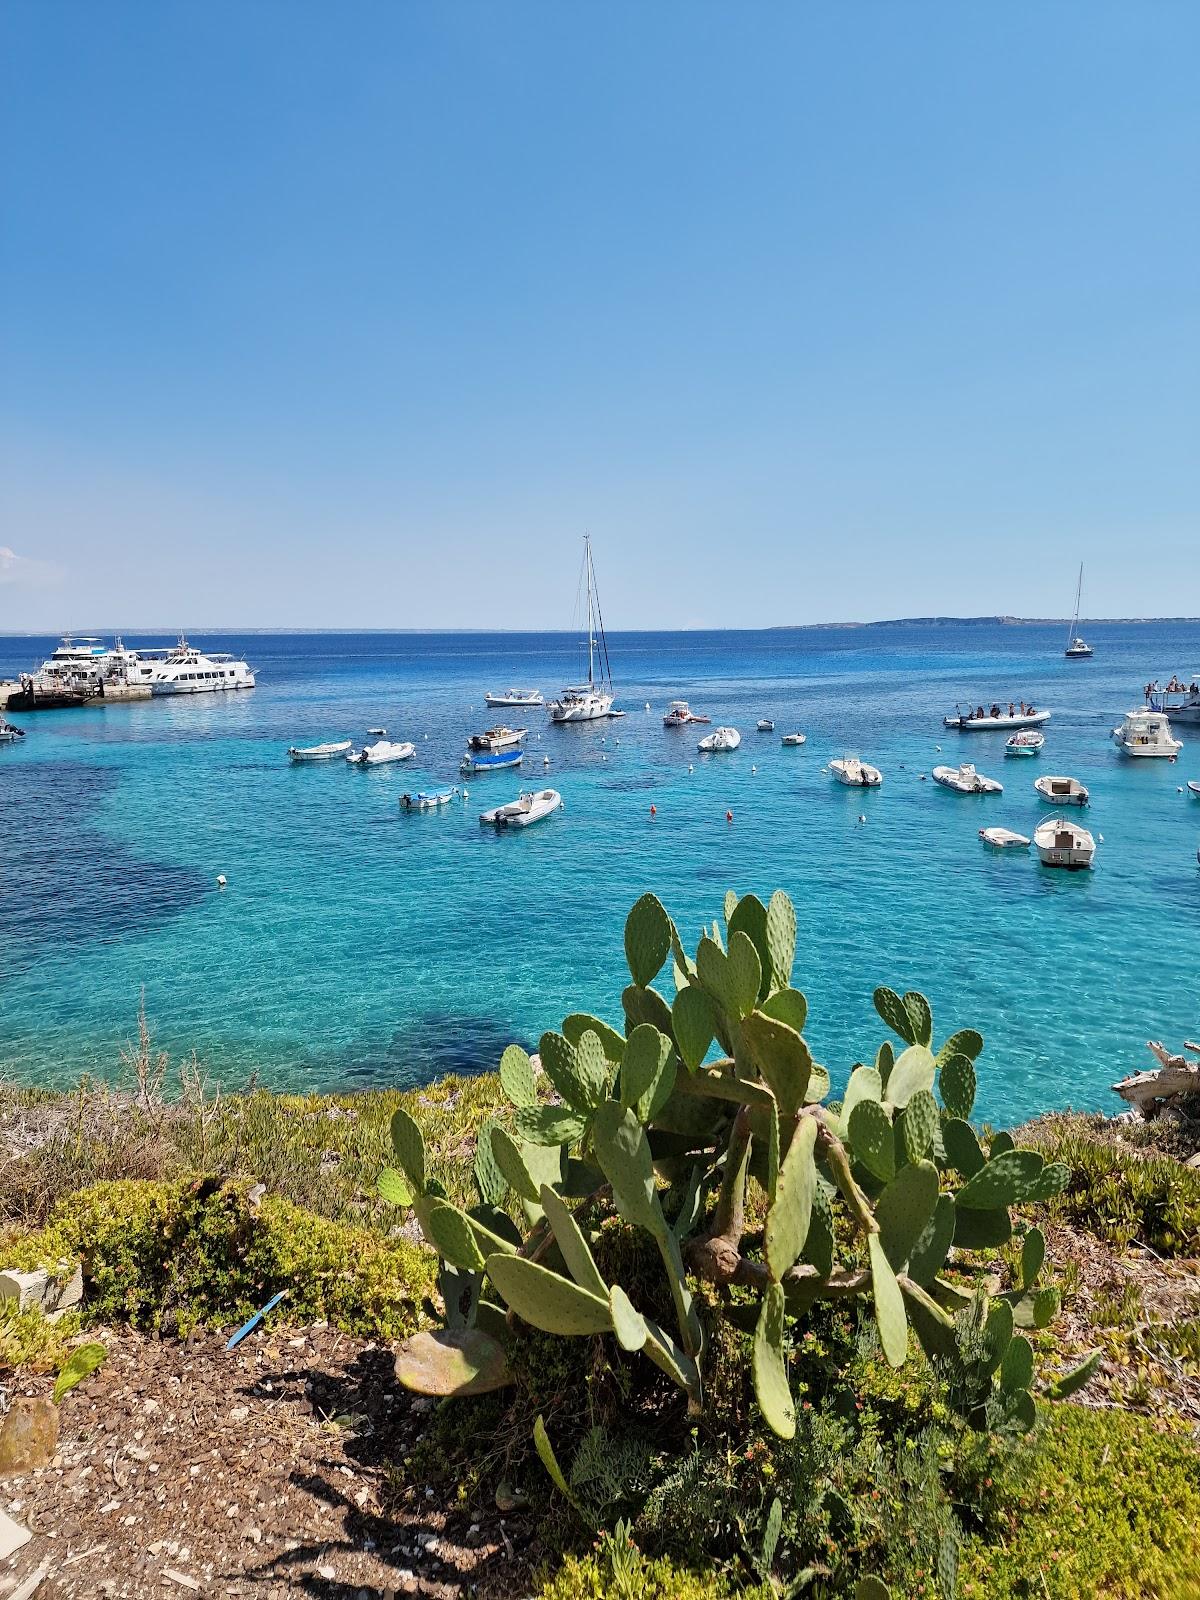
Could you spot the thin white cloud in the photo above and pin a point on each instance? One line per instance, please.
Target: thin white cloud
(24, 572)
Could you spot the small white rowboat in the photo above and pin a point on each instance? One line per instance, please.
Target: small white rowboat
(1004, 839)
(384, 750)
(430, 801)
(793, 738)
(319, 752)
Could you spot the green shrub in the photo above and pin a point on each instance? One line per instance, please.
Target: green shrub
(1102, 1505)
(171, 1255)
(1119, 1193)
(617, 1570)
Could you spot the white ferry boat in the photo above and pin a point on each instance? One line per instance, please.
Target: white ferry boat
(1146, 733)
(588, 702)
(186, 670)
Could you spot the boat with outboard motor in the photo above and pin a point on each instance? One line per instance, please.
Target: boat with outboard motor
(1062, 843)
(965, 780)
(588, 702)
(720, 739)
(520, 699)
(765, 725)
(679, 714)
(491, 760)
(382, 752)
(1026, 742)
(792, 739)
(530, 807)
(995, 719)
(855, 774)
(429, 800)
(1146, 733)
(499, 738)
(8, 733)
(319, 752)
(1061, 791)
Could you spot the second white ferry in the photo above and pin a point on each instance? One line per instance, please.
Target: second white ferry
(183, 669)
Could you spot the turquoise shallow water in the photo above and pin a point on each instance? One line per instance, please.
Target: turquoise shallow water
(355, 945)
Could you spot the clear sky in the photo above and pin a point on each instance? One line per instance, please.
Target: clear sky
(361, 313)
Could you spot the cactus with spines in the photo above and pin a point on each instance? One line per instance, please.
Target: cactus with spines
(675, 1114)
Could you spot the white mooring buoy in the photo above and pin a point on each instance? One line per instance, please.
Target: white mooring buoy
(220, 880)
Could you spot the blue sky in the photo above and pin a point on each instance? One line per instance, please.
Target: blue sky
(361, 314)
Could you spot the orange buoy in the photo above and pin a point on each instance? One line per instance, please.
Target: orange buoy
(653, 811)
(729, 816)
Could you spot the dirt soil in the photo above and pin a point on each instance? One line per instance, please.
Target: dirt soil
(269, 1470)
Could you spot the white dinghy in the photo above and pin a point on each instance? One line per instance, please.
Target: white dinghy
(524, 811)
(996, 720)
(1061, 791)
(1004, 839)
(765, 725)
(382, 751)
(515, 698)
(720, 739)
(428, 800)
(1062, 843)
(792, 739)
(319, 752)
(965, 780)
(1027, 742)
(9, 734)
(1194, 787)
(855, 774)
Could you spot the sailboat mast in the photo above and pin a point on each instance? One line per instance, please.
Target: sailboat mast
(587, 561)
(1078, 595)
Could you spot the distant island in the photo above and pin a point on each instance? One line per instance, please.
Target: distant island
(973, 622)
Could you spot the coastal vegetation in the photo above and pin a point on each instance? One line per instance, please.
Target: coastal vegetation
(698, 1320)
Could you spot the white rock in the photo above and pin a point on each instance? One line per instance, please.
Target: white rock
(12, 1535)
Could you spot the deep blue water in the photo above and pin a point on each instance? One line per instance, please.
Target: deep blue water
(355, 945)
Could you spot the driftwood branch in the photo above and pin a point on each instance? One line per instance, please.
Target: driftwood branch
(1175, 1078)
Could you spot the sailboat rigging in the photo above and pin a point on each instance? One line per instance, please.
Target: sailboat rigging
(1076, 647)
(587, 702)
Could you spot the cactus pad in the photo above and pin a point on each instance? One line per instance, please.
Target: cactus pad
(981, 1230)
(458, 1362)
(750, 918)
(919, 1124)
(578, 1023)
(1016, 1369)
(769, 1366)
(647, 1072)
(956, 1080)
(889, 1304)
(920, 1016)
(787, 1005)
(895, 1013)
(693, 1024)
(864, 1083)
(788, 1218)
(628, 1323)
(1005, 1180)
(872, 1139)
(409, 1145)
(930, 1248)
(962, 1147)
(781, 1056)
(489, 1180)
(781, 938)
(394, 1188)
(549, 1124)
(516, 1077)
(573, 1247)
(647, 939)
(913, 1070)
(966, 1042)
(1033, 1257)
(905, 1208)
(545, 1300)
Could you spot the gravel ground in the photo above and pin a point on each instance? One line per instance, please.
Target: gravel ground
(185, 1469)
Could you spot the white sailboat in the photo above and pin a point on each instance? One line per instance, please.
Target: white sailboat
(1077, 649)
(588, 702)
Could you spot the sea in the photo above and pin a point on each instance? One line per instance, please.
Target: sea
(354, 945)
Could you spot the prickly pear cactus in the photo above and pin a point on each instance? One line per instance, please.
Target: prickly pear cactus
(882, 1197)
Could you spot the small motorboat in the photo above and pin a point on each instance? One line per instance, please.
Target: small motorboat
(1004, 839)
(9, 734)
(995, 719)
(377, 733)
(1194, 787)
(491, 760)
(1061, 843)
(515, 697)
(765, 725)
(855, 774)
(1061, 791)
(319, 752)
(720, 739)
(965, 780)
(499, 738)
(523, 812)
(1025, 743)
(679, 714)
(381, 752)
(791, 739)
(1146, 733)
(430, 800)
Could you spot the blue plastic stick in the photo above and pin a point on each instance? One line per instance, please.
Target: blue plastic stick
(247, 1327)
